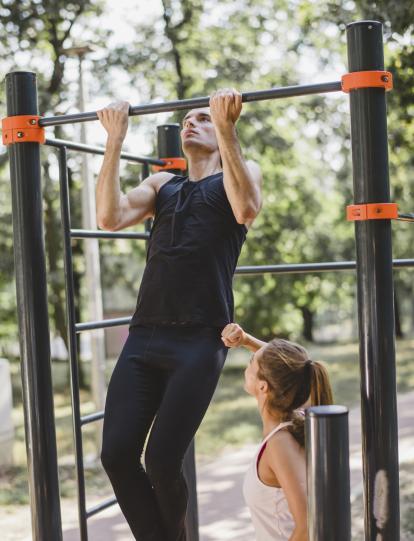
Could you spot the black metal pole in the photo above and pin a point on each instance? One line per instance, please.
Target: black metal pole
(72, 343)
(309, 268)
(145, 172)
(193, 103)
(70, 145)
(30, 270)
(169, 146)
(88, 234)
(327, 466)
(375, 290)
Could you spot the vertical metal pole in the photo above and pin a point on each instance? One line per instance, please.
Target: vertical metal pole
(327, 465)
(72, 342)
(145, 172)
(30, 270)
(169, 146)
(375, 290)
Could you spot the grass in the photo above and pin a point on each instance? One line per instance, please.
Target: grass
(407, 500)
(231, 421)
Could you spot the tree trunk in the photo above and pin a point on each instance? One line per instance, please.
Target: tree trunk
(308, 323)
(172, 32)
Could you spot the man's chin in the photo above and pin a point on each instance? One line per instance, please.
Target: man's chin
(190, 142)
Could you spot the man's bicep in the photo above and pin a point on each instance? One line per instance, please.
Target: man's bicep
(256, 176)
(138, 204)
(142, 198)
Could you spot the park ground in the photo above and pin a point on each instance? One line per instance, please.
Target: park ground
(225, 444)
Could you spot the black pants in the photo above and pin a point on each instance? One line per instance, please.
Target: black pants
(170, 374)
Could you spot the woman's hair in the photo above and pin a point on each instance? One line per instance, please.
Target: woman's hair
(292, 379)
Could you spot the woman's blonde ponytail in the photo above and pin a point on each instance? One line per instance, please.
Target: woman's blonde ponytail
(321, 390)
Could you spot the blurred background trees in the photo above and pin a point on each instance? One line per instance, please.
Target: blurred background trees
(189, 48)
(180, 49)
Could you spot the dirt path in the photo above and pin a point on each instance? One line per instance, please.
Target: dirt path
(222, 513)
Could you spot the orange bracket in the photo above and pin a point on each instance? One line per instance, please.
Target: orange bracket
(172, 163)
(22, 129)
(372, 211)
(366, 79)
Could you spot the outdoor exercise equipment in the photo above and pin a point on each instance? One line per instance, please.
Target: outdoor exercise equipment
(24, 131)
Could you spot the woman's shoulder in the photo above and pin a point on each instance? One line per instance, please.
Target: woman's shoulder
(284, 455)
(283, 442)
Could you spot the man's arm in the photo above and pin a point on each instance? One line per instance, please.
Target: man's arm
(242, 180)
(114, 209)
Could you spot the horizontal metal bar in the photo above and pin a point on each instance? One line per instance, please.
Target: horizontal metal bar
(305, 268)
(258, 95)
(407, 217)
(86, 419)
(92, 325)
(88, 234)
(59, 143)
(261, 269)
(100, 507)
(297, 268)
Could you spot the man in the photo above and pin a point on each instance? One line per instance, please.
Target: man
(170, 364)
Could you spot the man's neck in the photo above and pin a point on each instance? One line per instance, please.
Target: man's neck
(203, 167)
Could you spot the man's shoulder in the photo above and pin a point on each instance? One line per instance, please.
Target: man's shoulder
(157, 180)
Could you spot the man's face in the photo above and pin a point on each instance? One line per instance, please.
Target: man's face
(198, 131)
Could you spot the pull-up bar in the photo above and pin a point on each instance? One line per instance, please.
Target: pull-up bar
(349, 81)
(30, 128)
(373, 263)
(194, 103)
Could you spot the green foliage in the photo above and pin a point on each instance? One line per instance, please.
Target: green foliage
(302, 146)
(37, 34)
(397, 17)
(258, 45)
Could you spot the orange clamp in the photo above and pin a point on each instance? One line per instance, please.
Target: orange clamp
(22, 129)
(171, 163)
(372, 211)
(366, 79)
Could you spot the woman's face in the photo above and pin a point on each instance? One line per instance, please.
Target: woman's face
(251, 380)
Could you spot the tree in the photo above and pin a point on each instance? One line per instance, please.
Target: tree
(256, 45)
(39, 31)
(397, 18)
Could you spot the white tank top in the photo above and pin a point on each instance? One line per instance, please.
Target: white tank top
(268, 506)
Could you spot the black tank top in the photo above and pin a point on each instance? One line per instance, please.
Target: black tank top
(194, 245)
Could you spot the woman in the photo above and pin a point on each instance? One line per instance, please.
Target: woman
(283, 379)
